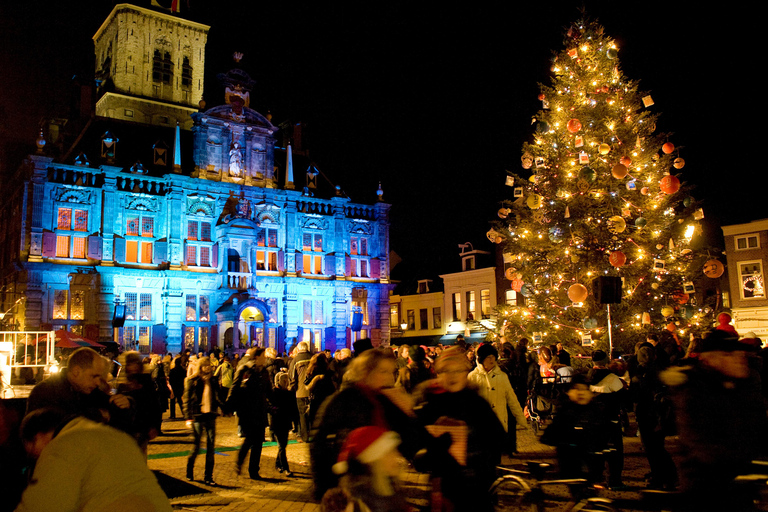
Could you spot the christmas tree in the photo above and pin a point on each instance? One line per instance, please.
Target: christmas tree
(604, 198)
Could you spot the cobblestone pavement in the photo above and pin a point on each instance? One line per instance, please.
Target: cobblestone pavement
(276, 492)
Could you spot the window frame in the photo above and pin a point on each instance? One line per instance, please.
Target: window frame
(746, 238)
(72, 238)
(742, 275)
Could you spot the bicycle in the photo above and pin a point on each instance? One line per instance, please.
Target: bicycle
(512, 491)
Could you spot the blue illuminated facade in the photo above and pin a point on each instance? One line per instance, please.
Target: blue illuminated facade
(203, 237)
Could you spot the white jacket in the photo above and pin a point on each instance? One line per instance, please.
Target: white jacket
(494, 386)
(90, 467)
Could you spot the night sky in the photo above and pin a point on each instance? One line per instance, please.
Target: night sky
(434, 102)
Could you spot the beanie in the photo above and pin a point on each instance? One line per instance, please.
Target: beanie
(451, 354)
(366, 445)
(724, 324)
(723, 341)
(278, 376)
(599, 356)
(485, 350)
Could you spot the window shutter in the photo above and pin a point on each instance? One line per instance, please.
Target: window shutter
(375, 270)
(299, 262)
(158, 339)
(94, 247)
(119, 251)
(281, 260)
(329, 338)
(330, 265)
(214, 341)
(49, 244)
(161, 252)
(347, 266)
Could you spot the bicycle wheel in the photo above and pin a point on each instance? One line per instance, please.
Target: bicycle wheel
(510, 492)
(594, 505)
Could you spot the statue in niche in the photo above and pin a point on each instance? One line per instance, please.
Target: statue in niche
(236, 160)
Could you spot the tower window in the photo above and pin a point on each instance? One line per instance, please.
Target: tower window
(162, 68)
(186, 74)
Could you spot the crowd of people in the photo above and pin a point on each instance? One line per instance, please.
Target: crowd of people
(449, 411)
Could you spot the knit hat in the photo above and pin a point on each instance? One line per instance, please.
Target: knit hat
(366, 445)
(599, 356)
(485, 350)
(278, 377)
(724, 324)
(752, 339)
(450, 355)
(724, 341)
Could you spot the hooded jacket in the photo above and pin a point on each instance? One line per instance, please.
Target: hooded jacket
(494, 386)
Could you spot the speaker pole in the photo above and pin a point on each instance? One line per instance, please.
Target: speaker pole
(610, 331)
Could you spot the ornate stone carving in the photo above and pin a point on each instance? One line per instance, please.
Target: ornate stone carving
(141, 203)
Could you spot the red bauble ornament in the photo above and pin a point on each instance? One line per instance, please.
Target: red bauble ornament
(574, 125)
(517, 285)
(668, 147)
(542, 97)
(626, 161)
(669, 184)
(617, 259)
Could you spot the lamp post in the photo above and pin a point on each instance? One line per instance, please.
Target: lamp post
(3, 321)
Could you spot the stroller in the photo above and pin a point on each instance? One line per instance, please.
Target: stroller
(543, 398)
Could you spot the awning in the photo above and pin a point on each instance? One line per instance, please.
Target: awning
(429, 341)
(474, 337)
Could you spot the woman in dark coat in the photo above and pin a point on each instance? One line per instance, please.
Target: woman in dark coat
(319, 382)
(140, 387)
(362, 401)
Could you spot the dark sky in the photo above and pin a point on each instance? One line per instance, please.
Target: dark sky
(434, 102)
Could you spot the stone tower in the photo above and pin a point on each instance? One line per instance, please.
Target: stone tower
(150, 66)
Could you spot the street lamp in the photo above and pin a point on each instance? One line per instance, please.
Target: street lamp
(5, 313)
(403, 326)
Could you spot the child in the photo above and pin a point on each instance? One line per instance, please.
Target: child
(578, 431)
(283, 410)
(370, 463)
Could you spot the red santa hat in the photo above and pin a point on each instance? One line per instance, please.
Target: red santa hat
(365, 444)
(724, 324)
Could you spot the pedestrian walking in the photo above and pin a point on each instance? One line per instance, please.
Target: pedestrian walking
(201, 405)
(249, 394)
(283, 411)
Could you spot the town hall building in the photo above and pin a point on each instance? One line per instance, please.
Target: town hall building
(166, 225)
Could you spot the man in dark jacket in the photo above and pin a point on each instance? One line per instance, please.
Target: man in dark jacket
(721, 421)
(81, 389)
(176, 379)
(297, 372)
(249, 393)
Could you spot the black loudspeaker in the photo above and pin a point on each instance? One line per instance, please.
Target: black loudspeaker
(607, 289)
(118, 319)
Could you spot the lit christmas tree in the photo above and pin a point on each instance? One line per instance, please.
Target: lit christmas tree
(604, 198)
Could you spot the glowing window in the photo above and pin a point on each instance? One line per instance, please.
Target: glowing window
(78, 247)
(77, 308)
(60, 304)
(62, 246)
(64, 220)
(146, 306)
(81, 220)
(131, 301)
